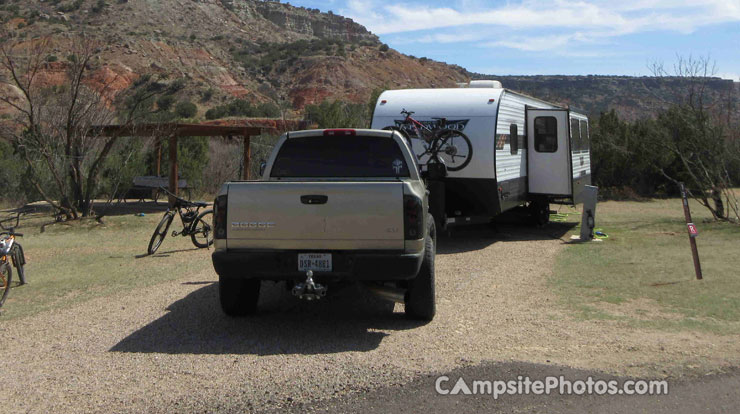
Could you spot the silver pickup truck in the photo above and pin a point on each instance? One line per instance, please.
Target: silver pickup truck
(332, 206)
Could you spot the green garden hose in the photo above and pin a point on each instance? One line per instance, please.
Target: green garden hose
(561, 217)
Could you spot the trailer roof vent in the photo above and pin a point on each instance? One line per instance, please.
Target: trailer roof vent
(485, 84)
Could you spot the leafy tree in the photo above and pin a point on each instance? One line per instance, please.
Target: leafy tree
(268, 110)
(165, 102)
(54, 130)
(186, 109)
(14, 191)
(207, 95)
(176, 86)
(618, 158)
(690, 147)
(699, 138)
(338, 114)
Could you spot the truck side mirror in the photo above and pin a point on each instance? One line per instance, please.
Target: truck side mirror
(263, 165)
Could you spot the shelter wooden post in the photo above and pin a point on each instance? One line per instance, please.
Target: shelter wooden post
(173, 167)
(183, 130)
(158, 161)
(247, 155)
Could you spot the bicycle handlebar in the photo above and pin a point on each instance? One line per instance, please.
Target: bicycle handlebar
(182, 201)
(17, 221)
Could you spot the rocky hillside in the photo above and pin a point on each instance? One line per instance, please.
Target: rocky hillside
(267, 51)
(631, 97)
(256, 50)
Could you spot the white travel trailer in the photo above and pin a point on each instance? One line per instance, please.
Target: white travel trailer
(525, 151)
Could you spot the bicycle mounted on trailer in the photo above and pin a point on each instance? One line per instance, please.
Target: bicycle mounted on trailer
(439, 142)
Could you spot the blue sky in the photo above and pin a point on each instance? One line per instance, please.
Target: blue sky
(573, 37)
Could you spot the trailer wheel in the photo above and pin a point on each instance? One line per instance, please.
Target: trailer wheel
(539, 212)
(420, 298)
(238, 296)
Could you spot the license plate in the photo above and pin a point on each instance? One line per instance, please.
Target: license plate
(317, 262)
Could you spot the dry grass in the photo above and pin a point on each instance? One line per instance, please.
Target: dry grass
(647, 261)
(71, 263)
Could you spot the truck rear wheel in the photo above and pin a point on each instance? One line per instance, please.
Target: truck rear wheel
(238, 296)
(420, 298)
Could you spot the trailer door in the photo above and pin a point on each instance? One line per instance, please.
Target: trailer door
(548, 152)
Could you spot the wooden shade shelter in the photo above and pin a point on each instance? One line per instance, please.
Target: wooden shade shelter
(173, 131)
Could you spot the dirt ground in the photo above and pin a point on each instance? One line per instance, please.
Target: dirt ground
(169, 348)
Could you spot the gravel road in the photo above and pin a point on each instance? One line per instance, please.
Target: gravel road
(170, 349)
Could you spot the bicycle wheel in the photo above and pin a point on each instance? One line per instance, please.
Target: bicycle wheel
(202, 230)
(19, 260)
(6, 275)
(161, 232)
(453, 148)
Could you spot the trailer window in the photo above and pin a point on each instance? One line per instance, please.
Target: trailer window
(332, 156)
(545, 134)
(514, 138)
(575, 135)
(584, 136)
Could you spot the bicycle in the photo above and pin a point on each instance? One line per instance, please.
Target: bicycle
(10, 251)
(439, 141)
(195, 225)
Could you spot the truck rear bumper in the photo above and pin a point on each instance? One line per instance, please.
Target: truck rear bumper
(351, 266)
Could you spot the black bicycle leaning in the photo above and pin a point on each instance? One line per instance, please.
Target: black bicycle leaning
(195, 224)
(10, 251)
(442, 144)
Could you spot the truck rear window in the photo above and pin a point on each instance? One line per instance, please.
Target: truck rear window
(340, 156)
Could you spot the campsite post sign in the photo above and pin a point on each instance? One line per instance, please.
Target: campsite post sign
(693, 232)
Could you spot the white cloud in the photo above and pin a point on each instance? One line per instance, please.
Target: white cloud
(573, 21)
(728, 75)
(449, 38)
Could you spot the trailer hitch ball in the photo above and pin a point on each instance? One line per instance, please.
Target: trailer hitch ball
(309, 290)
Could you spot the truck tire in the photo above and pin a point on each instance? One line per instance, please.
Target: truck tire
(420, 297)
(238, 296)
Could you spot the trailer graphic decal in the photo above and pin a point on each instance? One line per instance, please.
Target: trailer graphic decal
(456, 125)
(501, 140)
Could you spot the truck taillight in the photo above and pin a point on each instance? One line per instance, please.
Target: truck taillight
(413, 218)
(219, 217)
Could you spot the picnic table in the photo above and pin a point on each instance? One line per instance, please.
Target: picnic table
(149, 186)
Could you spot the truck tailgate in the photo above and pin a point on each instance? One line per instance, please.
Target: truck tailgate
(315, 215)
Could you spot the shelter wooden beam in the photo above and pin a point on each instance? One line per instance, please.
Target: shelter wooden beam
(178, 130)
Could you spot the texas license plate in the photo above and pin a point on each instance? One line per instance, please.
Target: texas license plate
(317, 262)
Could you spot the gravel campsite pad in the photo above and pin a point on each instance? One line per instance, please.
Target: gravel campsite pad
(168, 347)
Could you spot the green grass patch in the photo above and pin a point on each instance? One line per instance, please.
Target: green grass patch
(643, 273)
(71, 263)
